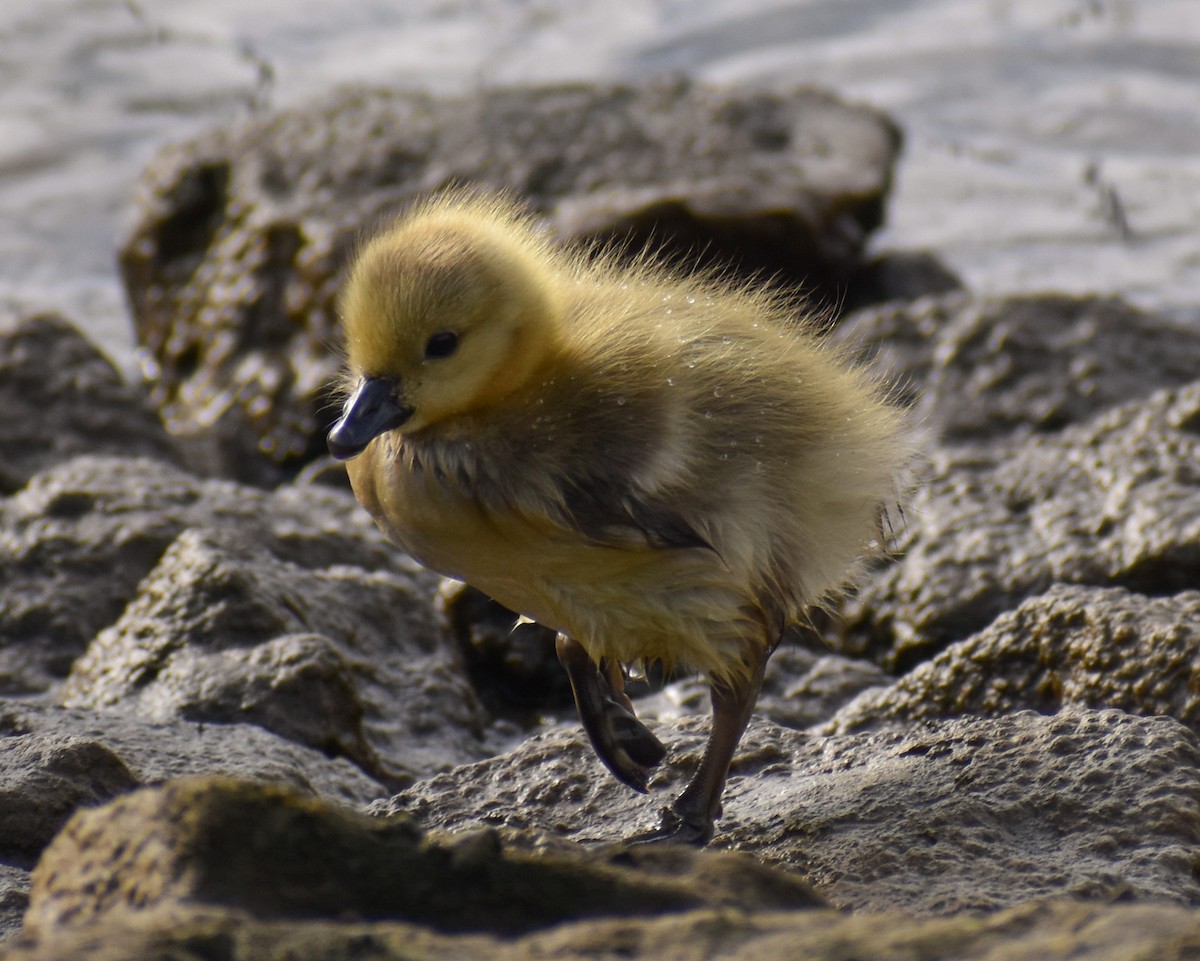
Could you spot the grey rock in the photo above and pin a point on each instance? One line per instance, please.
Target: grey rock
(76, 541)
(44, 779)
(275, 854)
(153, 752)
(1058, 930)
(352, 662)
(14, 899)
(55, 760)
(240, 236)
(59, 396)
(1078, 646)
(1112, 501)
(965, 815)
(979, 370)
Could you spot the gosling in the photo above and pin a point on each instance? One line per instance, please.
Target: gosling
(658, 467)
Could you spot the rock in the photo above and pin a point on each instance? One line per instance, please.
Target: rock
(59, 396)
(1112, 501)
(1051, 931)
(967, 815)
(14, 899)
(275, 854)
(979, 370)
(54, 761)
(1072, 646)
(77, 540)
(137, 752)
(44, 780)
(348, 661)
(240, 236)
(209, 601)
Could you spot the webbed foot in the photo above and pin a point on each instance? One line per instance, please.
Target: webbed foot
(677, 827)
(623, 743)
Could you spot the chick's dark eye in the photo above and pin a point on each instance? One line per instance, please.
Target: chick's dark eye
(441, 345)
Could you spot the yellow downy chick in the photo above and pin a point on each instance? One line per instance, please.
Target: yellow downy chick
(658, 467)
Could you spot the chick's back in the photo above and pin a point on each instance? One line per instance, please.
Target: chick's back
(704, 432)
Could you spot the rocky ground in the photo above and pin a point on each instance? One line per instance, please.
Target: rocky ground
(237, 724)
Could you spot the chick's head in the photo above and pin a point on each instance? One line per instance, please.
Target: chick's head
(445, 315)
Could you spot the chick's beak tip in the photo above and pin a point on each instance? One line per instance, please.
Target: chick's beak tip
(370, 411)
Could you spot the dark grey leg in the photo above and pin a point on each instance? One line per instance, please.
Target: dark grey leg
(690, 817)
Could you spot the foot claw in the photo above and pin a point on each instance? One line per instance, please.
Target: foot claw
(675, 828)
(623, 743)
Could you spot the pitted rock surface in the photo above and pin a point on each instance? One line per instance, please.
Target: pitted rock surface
(1079, 646)
(978, 370)
(76, 541)
(277, 854)
(351, 662)
(1112, 501)
(967, 815)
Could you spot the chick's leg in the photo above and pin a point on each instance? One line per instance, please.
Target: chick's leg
(620, 740)
(690, 817)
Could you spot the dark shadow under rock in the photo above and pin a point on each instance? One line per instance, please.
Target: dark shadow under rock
(59, 397)
(512, 664)
(1113, 501)
(960, 815)
(899, 275)
(1078, 646)
(240, 237)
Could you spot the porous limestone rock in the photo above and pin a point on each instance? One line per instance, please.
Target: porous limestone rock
(76, 541)
(1079, 646)
(947, 817)
(54, 760)
(978, 370)
(1060, 930)
(275, 854)
(1111, 501)
(349, 661)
